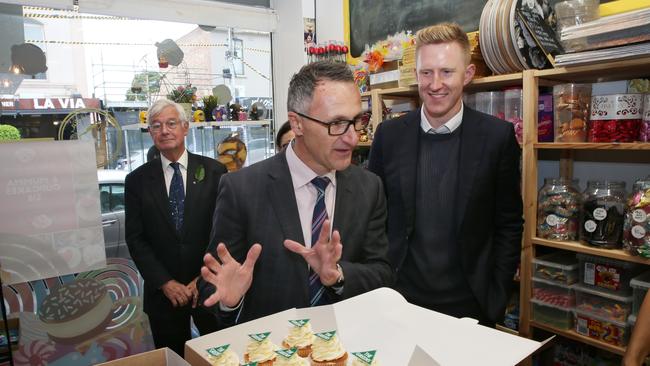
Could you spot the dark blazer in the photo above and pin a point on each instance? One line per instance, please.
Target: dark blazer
(157, 250)
(488, 218)
(258, 205)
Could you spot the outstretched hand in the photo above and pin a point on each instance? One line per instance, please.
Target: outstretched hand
(230, 278)
(323, 256)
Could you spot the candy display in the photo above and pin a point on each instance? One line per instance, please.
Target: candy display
(559, 267)
(555, 316)
(491, 102)
(593, 326)
(545, 118)
(636, 229)
(615, 118)
(644, 130)
(558, 209)
(603, 304)
(602, 213)
(513, 104)
(607, 274)
(571, 109)
(553, 294)
(640, 286)
(328, 51)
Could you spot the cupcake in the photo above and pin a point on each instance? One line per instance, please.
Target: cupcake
(260, 349)
(222, 356)
(300, 336)
(327, 350)
(366, 358)
(289, 357)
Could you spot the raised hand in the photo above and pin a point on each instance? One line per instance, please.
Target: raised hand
(230, 278)
(323, 256)
(177, 293)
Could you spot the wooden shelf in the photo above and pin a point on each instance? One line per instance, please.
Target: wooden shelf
(575, 246)
(578, 337)
(402, 91)
(507, 330)
(617, 70)
(591, 146)
(495, 82)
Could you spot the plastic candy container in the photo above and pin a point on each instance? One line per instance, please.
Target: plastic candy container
(602, 213)
(615, 118)
(545, 118)
(513, 104)
(571, 110)
(644, 132)
(636, 230)
(558, 209)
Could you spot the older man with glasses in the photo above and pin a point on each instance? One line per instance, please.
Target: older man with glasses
(304, 227)
(169, 206)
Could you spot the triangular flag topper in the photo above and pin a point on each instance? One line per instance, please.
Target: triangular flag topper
(326, 335)
(299, 323)
(250, 364)
(287, 353)
(259, 337)
(367, 356)
(217, 351)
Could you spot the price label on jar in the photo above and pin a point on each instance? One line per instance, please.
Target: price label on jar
(600, 214)
(639, 215)
(552, 220)
(590, 226)
(638, 231)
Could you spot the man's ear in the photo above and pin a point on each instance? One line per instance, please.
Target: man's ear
(470, 70)
(296, 123)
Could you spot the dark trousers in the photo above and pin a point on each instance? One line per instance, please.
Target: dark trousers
(171, 328)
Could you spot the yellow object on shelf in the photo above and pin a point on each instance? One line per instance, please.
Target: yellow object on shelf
(622, 6)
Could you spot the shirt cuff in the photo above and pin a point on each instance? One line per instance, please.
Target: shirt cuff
(227, 309)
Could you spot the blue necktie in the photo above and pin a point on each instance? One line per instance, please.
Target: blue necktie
(316, 288)
(177, 197)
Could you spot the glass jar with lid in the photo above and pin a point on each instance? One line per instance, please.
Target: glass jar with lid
(571, 111)
(636, 230)
(602, 214)
(558, 209)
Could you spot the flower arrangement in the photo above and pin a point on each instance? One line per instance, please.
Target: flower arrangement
(183, 94)
(392, 48)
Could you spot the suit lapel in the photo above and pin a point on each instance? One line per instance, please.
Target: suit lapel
(472, 143)
(192, 190)
(408, 153)
(283, 199)
(343, 209)
(158, 190)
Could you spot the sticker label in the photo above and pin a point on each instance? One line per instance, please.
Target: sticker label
(217, 351)
(367, 356)
(590, 274)
(608, 277)
(600, 214)
(287, 353)
(638, 231)
(552, 220)
(639, 215)
(326, 335)
(299, 323)
(590, 226)
(259, 337)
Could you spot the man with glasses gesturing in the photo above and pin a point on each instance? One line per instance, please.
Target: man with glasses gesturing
(169, 206)
(304, 227)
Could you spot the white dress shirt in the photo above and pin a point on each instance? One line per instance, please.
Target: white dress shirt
(168, 171)
(307, 194)
(449, 126)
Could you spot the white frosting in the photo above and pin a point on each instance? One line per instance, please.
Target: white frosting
(322, 350)
(260, 351)
(358, 362)
(228, 358)
(294, 360)
(300, 336)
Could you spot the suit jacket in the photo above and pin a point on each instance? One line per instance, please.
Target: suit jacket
(159, 252)
(258, 205)
(488, 218)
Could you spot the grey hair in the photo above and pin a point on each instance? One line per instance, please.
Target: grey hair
(303, 83)
(158, 106)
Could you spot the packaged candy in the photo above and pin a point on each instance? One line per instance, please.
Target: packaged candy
(558, 209)
(602, 213)
(615, 118)
(571, 110)
(636, 230)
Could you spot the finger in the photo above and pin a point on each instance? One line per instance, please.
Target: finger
(251, 257)
(296, 247)
(223, 253)
(211, 262)
(338, 246)
(187, 292)
(324, 235)
(208, 275)
(195, 298)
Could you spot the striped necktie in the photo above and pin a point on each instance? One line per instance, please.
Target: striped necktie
(177, 197)
(316, 288)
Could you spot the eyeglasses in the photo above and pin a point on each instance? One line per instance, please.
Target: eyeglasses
(340, 127)
(157, 126)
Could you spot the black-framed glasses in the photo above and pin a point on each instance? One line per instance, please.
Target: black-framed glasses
(339, 127)
(171, 124)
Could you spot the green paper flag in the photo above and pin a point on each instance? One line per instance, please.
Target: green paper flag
(299, 323)
(250, 364)
(367, 356)
(218, 351)
(326, 335)
(259, 337)
(287, 353)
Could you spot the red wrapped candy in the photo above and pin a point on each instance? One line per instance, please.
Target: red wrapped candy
(615, 118)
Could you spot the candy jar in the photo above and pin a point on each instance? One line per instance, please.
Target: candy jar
(490, 102)
(571, 111)
(602, 213)
(644, 132)
(513, 105)
(615, 118)
(558, 209)
(636, 231)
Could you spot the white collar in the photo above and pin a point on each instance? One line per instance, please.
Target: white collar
(301, 174)
(449, 126)
(182, 160)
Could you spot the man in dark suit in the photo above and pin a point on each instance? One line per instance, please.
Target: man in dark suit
(169, 205)
(285, 205)
(451, 176)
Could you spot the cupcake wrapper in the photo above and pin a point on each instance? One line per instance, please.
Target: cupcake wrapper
(303, 352)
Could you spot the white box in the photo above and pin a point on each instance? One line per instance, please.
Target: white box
(382, 320)
(159, 357)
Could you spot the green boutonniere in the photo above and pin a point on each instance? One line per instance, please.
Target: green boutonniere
(199, 174)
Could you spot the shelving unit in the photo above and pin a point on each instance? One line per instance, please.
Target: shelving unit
(531, 81)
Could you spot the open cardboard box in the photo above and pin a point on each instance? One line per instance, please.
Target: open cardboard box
(158, 357)
(382, 320)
